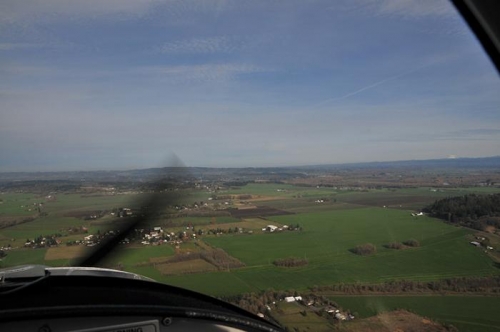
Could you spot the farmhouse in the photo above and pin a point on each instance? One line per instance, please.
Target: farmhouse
(289, 299)
(475, 243)
(340, 316)
(269, 228)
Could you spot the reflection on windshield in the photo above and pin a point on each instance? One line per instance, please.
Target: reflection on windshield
(338, 156)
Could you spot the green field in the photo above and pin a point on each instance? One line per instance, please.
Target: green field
(17, 204)
(325, 241)
(346, 219)
(24, 256)
(467, 313)
(130, 257)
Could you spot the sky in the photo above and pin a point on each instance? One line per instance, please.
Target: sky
(124, 84)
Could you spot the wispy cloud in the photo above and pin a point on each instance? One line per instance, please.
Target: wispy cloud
(469, 135)
(407, 8)
(219, 44)
(201, 73)
(18, 46)
(12, 11)
(27, 70)
(473, 133)
(368, 87)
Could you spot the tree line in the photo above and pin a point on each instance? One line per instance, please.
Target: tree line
(452, 285)
(474, 211)
(265, 300)
(268, 299)
(364, 249)
(290, 262)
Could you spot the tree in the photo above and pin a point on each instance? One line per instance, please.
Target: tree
(412, 243)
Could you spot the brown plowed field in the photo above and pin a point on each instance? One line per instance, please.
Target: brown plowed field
(260, 211)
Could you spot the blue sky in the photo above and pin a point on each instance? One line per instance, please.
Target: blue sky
(123, 84)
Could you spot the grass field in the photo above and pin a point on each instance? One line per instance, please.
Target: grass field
(14, 205)
(348, 218)
(64, 253)
(191, 266)
(23, 256)
(467, 313)
(130, 257)
(291, 316)
(202, 221)
(345, 219)
(76, 202)
(326, 240)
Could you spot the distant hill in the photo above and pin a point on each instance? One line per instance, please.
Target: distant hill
(140, 175)
(484, 162)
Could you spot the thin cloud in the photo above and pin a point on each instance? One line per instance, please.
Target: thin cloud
(469, 135)
(201, 73)
(30, 11)
(12, 11)
(211, 45)
(368, 87)
(408, 8)
(27, 70)
(18, 46)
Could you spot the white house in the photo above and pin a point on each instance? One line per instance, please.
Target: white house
(289, 299)
(340, 316)
(270, 228)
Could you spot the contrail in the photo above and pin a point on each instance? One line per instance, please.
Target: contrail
(350, 94)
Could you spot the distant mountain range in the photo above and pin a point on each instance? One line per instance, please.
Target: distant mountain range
(483, 162)
(140, 175)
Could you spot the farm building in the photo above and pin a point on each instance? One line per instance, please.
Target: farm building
(475, 243)
(340, 316)
(269, 228)
(289, 299)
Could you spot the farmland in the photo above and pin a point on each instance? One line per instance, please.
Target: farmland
(467, 313)
(327, 237)
(319, 225)
(328, 232)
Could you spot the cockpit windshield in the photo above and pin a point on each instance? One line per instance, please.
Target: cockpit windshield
(321, 164)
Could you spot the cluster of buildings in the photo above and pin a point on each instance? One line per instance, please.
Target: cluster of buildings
(315, 307)
(479, 243)
(273, 228)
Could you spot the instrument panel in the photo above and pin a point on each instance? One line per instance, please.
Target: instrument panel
(117, 324)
